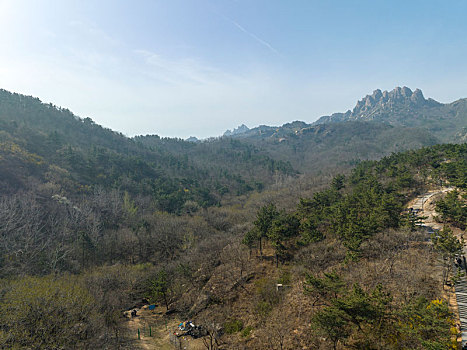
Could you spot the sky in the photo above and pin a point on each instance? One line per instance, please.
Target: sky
(183, 68)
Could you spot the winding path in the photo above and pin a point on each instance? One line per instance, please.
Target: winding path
(423, 204)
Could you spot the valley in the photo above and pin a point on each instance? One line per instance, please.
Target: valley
(291, 237)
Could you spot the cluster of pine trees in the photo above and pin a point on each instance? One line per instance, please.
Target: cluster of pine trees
(353, 211)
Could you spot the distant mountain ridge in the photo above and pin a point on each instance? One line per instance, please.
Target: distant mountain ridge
(237, 131)
(371, 107)
(404, 107)
(52, 146)
(400, 107)
(312, 148)
(379, 124)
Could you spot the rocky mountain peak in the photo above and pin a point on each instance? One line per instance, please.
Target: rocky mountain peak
(240, 130)
(380, 99)
(417, 96)
(401, 102)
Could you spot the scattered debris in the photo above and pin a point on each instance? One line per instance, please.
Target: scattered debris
(189, 328)
(281, 287)
(131, 313)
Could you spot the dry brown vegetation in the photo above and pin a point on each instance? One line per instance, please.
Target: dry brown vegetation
(117, 249)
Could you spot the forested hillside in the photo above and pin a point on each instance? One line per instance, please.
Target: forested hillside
(93, 224)
(360, 269)
(50, 151)
(313, 148)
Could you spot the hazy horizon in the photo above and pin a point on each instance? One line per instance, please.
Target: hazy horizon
(198, 68)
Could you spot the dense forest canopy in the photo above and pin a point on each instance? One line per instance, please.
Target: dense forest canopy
(40, 143)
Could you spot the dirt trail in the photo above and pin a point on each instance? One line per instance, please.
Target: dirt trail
(162, 329)
(425, 204)
(153, 334)
(133, 325)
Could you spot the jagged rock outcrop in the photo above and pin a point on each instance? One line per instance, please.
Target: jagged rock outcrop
(403, 107)
(395, 98)
(384, 105)
(237, 131)
(400, 107)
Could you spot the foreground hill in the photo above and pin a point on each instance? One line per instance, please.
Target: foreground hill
(355, 270)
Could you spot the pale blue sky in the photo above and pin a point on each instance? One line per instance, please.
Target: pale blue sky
(199, 67)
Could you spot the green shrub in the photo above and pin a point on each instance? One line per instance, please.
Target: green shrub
(246, 331)
(266, 291)
(285, 278)
(263, 308)
(46, 313)
(233, 326)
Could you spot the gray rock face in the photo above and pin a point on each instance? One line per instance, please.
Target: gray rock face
(400, 107)
(378, 99)
(381, 104)
(192, 139)
(417, 97)
(237, 131)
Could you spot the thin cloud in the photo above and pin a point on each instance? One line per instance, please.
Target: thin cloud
(252, 35)
(183, 71)
(94, 32)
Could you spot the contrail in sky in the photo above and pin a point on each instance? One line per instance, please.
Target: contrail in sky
(258, 39)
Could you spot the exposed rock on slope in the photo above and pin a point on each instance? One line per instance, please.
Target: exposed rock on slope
(237, 131)
(404, 107)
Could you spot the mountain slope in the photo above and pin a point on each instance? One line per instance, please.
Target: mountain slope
(311, 148)
(407, 108)
(109, 245)
(43, 147)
